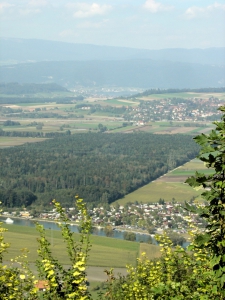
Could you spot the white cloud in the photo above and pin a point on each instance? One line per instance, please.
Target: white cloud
(67, 33)
(88, 24)
(37, 3)
(33, 7)
(4, 6)
(27, 11)
(85, 10)
(155, 7)
(195, 11)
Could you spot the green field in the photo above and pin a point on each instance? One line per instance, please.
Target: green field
(105, 252)
(183, 172)
(153, 191)
(169, 186)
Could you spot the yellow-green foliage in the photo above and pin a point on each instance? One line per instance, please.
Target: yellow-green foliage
(15, 282)
(19, 282)
(177, 275)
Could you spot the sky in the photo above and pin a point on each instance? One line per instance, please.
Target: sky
(146, 24)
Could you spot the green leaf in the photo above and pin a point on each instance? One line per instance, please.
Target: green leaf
(201, 239)
(222, 280)
(214, 289)
(190, 247)
(215, 260)
(222, 213)
(190, 208)
(201, 139)
(197, 180)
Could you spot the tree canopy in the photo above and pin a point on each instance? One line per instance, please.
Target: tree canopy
(99, 166)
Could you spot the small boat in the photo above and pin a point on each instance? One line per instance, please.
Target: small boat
(9, 221)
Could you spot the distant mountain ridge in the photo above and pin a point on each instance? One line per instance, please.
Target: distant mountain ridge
(71, 65)
(142, 73)
(25, 50)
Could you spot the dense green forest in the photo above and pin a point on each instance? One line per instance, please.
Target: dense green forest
(100, 167)
(167, 91)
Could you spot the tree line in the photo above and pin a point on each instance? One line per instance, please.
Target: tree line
(168, 91)
(33, 134)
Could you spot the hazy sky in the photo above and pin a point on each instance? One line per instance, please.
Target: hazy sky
(150, 24)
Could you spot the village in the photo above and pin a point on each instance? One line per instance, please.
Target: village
(148, 218)
(174, 109)
(168, 109)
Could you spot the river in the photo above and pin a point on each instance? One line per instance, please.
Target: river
(118, 234)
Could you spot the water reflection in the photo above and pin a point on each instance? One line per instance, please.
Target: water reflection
(118, 234)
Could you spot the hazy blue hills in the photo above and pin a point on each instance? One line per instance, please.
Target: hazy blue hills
(143, 73)
(30, 88)
(24, 50)
(70, 65)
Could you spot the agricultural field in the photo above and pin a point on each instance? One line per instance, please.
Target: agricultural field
(183, 95)
(169, 186)
(6, 142)
(105, 252)
(121, 102)
(60, 112)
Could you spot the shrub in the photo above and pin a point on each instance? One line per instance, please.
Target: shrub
(19, 282)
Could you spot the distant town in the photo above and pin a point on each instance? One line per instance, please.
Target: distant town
(138, 217)
(171, 109)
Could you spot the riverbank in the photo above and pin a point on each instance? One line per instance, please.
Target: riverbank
(97, 230)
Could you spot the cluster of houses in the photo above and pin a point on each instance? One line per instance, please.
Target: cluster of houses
(150, 217)
(147, 217)
(175, 109)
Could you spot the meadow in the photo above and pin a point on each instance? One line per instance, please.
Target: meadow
(105, 252)
(169, 186)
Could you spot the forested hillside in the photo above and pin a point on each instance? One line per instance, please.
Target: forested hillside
(100, 167)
